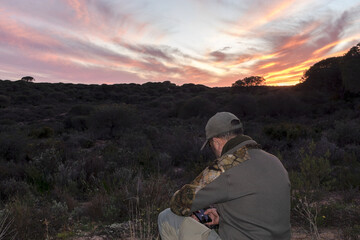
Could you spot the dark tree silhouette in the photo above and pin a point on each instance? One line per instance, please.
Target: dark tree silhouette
(27, 79)
(350, 70)
(325, 74)
(249, 81)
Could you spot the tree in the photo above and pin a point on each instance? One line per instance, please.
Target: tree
(325, 75)
(350, 70)
(27, 79)
(249, 82)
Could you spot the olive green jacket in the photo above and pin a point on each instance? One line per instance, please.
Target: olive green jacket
(250, 189)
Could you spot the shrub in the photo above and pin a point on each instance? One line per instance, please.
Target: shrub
(285, 131)
(79, 123)
(314, 171)
(243, 105)
(345, 132)
(42, 132)
(37, 219)
(11, 188)
(280, 105)
(196, 107)
(110, 121)
(13, 146)
(40, 172)
(4, 101)
(348, 173)
(81, 110)
(85, 142)
(6, 222)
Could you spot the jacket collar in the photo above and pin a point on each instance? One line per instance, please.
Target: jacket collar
(236, 143)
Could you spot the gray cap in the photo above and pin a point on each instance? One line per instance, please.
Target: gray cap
(221, 122)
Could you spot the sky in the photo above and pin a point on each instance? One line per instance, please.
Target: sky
(209, 42)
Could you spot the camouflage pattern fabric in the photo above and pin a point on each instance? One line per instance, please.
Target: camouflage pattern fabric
(182, 200)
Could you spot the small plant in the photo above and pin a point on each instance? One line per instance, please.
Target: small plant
(307, 184)
(142, 224)
(309, 212)
(6, 230)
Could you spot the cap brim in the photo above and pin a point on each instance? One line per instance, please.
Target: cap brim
(207, 140)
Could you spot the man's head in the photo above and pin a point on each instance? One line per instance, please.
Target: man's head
(220, 128)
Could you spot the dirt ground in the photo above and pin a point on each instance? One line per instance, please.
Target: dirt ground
(297, 234)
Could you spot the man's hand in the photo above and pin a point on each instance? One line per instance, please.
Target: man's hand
(213, 214)
(194, 217)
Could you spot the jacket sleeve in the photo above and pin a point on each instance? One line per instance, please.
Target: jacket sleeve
(204, 190)
(182, 200)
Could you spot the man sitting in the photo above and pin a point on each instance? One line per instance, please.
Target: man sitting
(246, 191)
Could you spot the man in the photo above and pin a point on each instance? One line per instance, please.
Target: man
(246, 188)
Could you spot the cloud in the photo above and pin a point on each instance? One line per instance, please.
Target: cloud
(80, 8)
(161, 52)
(129, 41)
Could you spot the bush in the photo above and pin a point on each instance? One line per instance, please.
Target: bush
(314, 171)
(348, 173)
(40, 173)
(11, 188)
(196, 107)
(345, 132)
(13, 146)
(43, 132)
(276, 105)
(37, 219)
(81, 110)
(243, 105)
(79, 123)
(4, 101)
(285, 131)
(110, 121)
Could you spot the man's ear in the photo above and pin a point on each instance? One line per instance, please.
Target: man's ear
(216, 141)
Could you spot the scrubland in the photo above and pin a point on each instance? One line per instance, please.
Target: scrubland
(104, 160)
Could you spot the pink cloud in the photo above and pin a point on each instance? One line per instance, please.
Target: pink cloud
(80, 8)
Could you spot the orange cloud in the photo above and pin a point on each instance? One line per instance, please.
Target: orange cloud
(267, 65)
(335, 43)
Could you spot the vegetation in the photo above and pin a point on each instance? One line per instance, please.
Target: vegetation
(249, 81)
(27, 79)
(106, 159)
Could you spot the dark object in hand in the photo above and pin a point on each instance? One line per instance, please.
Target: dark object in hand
(203, 218)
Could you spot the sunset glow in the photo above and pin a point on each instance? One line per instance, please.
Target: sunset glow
(213, 42)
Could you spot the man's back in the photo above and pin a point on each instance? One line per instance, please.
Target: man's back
(258, 205)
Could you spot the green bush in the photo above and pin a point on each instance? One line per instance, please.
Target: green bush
(40, 173)
(314, 171)
(348, 173)
(286, 131)
(42, 132)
